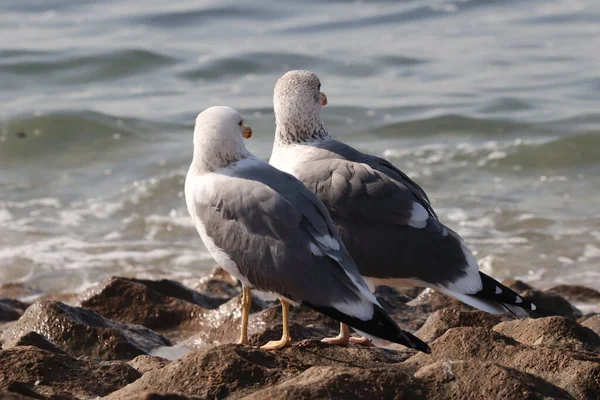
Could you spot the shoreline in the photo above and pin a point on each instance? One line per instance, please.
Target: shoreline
(129, 338)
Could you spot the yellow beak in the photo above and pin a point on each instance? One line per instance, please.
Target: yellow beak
(247, 132)
(323, 99)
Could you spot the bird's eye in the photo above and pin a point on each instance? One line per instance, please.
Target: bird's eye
(240, 123)
(319, 86)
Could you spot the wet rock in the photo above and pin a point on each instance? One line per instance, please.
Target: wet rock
(157, 305)
(35, 372)
(549, 304)
(219, 283)
(578, 373)
(483, 380)
(344, 383)
(36, 340)
(593, 323)
(556, 332)
(516, 285)
(10, 309)
(145, 363)
(440, 321)
(217, 372)
(576, 293)
(83, 332)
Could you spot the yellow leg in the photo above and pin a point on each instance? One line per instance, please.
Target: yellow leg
(285, 337)
(246, 304)
(342, 339)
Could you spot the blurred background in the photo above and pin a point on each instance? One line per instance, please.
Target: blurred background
(492, 106)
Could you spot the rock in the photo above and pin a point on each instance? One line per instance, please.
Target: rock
(576, 293)
(556, 332)
(217, 372)
(516, 285)
(440, 321)
(14, 396)
(578, 373)
(344, 383)
(549, 304)
(219, 283)
(233, 371)
(483, 380)
(35, 372)
(83, 332)
(10, 309)
(593, 323)
(145, 363)
(36, 340)
(314, 352)
(157, 305)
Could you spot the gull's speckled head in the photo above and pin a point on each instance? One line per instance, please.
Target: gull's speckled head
(297, 102)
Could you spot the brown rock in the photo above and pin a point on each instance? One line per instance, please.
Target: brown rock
(219, 283)
(233, 371)
(516, 285)
(578, 373)
(136, 302)
(344, 383)
(160, 304)
(10, 309)
(14, 396)
(314, 352)
(474, 379)
(34, 372)
(36, 340)
(576, 293)
(145, 363)
(549, 304)
(83, 332)
(593, 323)
(556, 332)
(217, 372)
(440, 321)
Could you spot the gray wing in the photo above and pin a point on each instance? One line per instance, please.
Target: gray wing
(411, 190)
(281, 238)
(388, 231)
(356, 192)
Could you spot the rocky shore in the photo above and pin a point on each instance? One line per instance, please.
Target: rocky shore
(142, 339)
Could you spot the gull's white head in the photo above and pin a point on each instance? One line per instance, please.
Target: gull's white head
(298, 101)
(219, 138)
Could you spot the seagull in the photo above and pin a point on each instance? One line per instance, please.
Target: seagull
(384, 218)
(269, 231)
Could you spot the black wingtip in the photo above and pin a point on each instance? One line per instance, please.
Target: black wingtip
(495, 291)
(380, 325)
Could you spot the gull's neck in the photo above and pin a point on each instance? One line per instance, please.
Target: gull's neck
(205, 162)
(298, 131)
